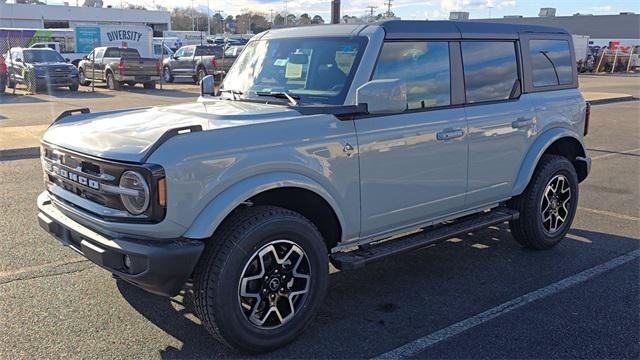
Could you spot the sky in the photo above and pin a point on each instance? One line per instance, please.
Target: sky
(406, 9)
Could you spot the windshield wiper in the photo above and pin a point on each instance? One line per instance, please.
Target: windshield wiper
(233, 92)
(281, 94)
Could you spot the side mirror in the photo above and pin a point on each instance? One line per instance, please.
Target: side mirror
(85, 57)
(207, 86)
(383, 96)
(67, 59)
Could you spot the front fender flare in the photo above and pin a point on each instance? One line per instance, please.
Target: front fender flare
(530, 161)
(222, 205)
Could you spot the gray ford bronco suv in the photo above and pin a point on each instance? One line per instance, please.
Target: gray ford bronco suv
(338, 144)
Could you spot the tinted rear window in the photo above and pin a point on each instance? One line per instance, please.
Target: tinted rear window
(490, 70)
(116, 53)
(550, 62)
(208, 51)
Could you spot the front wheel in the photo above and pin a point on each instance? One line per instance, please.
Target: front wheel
(166, 75)
(82, 78)
(201, 74)
(548, 204)
(261, 279)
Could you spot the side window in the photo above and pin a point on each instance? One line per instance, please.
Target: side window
(100, 52)
(490, 70)
(188, 52)
(38, 46)
(550, 62)
(423, 65)
(180, 52)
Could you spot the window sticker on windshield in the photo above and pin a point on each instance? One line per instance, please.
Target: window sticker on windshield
(280, 62)
(345, 60)
(293, 71)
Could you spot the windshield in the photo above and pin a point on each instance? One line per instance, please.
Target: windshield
(41, 56)
(317, 70)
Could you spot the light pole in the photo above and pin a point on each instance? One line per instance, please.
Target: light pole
(208, 20)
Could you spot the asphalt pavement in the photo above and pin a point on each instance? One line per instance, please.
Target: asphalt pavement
(55, 304)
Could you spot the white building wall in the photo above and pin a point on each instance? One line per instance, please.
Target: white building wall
(33, 16)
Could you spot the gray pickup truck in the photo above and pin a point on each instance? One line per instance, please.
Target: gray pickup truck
(116, 66)
(193, 62)
(340, 144)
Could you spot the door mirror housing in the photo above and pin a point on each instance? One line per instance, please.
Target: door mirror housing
(207, 85)
(386, 96)
(85, 57)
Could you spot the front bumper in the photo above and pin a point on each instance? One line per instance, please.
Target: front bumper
(158, 266)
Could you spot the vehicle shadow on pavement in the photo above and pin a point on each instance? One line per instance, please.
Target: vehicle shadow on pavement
(394, 301)
(19, 98)
(160, 92)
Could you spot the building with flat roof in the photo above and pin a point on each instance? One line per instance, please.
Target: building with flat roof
(64, 16)
(622, 26)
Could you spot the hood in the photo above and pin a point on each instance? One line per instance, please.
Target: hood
(127, 135)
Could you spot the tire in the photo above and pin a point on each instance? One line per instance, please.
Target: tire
(166, 75)
(540, 201)
(201, 74)
(218, 278)
(112, 83)
(82, 79)
(149, 85)
(74, 87)
(31, 83)
(195, 79)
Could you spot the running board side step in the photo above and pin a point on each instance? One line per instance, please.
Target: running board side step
(368, 253)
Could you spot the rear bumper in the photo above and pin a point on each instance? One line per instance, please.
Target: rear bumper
(139, 78)
(158, 266)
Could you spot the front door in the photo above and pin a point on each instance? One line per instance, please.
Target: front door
(413, 165)
(501, 121)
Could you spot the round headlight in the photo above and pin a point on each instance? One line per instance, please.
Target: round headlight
(135, 201)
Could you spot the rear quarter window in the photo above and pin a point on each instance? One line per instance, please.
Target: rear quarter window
(550, 62)
(490, 70)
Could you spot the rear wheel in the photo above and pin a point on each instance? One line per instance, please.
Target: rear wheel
(201, 74)
(548, 204)
(112, 83)
(74, 87)
(261, 278)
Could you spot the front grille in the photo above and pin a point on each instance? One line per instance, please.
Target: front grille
(58, 72)
(94, 180)
(82, 176)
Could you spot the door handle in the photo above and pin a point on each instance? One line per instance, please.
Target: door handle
(449, 134)
(522, 123)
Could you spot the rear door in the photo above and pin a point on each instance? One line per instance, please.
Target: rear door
(99, 63)
(185, 63)
(501, 120)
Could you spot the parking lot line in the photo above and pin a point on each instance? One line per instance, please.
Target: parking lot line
(625, 152)
(609, 213)
(424, 343)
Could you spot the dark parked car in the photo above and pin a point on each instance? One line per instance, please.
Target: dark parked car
(116, 66)
(193, 61)
(39, 69)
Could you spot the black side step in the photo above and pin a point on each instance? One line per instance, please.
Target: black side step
(369, 253)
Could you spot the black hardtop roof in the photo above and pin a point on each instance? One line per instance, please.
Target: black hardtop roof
(402, 29)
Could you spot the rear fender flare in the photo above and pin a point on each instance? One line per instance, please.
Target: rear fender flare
(530, 161)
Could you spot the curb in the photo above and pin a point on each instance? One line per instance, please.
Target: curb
(19, 154)
(612, 100)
